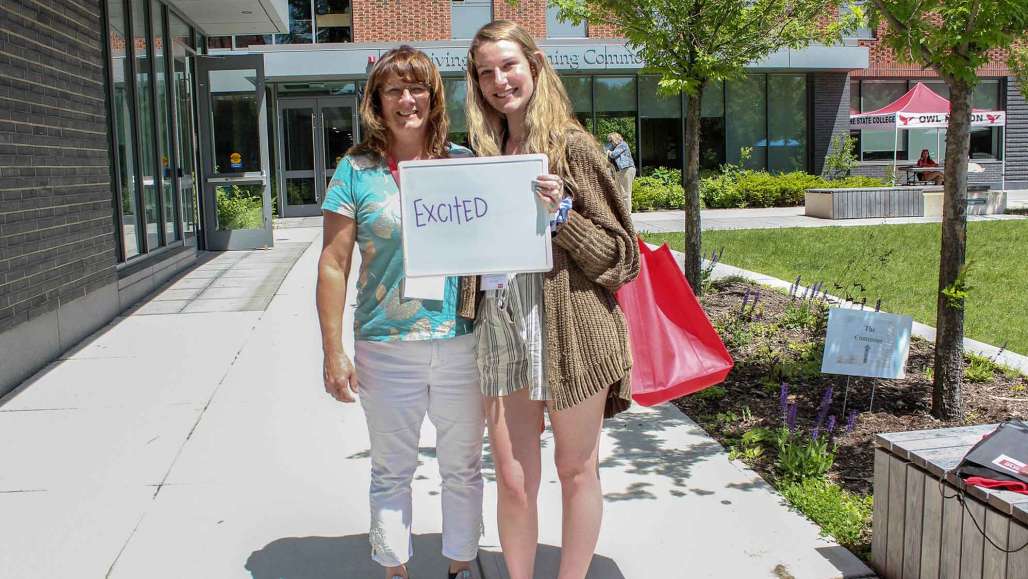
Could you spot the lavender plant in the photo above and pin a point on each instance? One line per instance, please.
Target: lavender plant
(803, 456)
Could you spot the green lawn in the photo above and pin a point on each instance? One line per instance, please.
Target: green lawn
(897, 263)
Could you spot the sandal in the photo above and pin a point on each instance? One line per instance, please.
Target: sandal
(462, 574)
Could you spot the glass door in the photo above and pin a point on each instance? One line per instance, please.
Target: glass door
(339, 132)
(315, 133)
(234, 148)
(298, 177)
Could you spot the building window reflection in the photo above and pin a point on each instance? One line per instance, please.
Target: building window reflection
(877, 145)
(122, 118)
(660, 121)
(615, 109)
(712, 127)
(310, 21)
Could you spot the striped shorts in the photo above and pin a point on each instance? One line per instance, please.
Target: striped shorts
(509, 329)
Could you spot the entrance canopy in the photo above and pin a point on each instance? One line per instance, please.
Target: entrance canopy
(921, 108)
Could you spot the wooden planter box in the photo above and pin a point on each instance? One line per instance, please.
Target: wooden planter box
(864, 203)
(920, 530)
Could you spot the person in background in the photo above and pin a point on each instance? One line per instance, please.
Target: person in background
(550, 343)
(624, 166)
(412, 356)
(927, 161)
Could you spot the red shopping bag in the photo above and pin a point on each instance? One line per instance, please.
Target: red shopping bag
(675, 349)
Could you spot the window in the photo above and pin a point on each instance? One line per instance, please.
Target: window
(985, 141)
(878, 145)
(712, 126)
(248, 40)
(615, 109)
(300, 25)
(746, 120)
(660, 119)
(580, 91)
(557, 28)
(182, 81)
(861, 32)
(456, 91)
(219, 42)
(163, 112)
(333, 20)
(147, 140)
(467, 16)
(122, 119)
(787, 123)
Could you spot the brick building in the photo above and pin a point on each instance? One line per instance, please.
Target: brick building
(136, 133)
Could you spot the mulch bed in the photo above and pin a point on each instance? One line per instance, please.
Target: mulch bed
(769, 350)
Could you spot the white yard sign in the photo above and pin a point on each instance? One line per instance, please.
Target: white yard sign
(473, 216)
(866, 343)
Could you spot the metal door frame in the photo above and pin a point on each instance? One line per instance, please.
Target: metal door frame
(240, 239)
(317, 104)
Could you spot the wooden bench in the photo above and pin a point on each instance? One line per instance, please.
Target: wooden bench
(920, 530)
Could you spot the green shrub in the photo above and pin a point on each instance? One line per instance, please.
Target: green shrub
(856, 181)
(735, 188)
(841, 514)
(762, 189)
(238, 209)
(661, 189)
(721, 192)
(648, 194)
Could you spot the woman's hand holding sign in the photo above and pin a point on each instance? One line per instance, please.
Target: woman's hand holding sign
(550, 189)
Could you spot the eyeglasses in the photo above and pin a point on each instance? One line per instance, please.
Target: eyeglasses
(396, 92)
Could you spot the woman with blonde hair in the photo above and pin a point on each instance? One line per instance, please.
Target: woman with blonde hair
(554, 342)
(413, 357)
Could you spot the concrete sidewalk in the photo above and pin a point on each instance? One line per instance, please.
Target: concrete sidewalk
(192, 438)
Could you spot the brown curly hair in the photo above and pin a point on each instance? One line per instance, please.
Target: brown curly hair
(413, 66)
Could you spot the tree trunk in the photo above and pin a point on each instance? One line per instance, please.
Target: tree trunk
(949, 339)
(691, 184)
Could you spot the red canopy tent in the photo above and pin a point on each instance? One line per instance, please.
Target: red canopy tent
(920, 108)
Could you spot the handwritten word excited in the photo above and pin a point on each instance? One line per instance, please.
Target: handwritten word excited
(460, 211)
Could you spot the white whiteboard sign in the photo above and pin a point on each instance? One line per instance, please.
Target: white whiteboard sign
(866, 343)
(473, 215)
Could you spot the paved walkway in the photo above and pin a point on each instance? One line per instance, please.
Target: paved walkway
(191, 437)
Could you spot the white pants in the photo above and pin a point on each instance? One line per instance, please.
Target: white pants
(398, 382)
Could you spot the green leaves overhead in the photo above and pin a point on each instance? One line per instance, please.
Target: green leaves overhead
(692, 42)
(954, 37)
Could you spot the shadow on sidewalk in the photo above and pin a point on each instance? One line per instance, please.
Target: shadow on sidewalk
(346, 557)
(547, 563)
(639, 449)
(349, 557)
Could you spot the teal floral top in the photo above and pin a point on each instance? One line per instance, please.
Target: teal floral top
(363, 189)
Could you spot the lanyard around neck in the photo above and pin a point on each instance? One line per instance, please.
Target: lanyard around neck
(394, 169)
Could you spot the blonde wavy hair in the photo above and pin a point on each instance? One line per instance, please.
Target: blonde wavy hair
(412, 66)
(548, 120)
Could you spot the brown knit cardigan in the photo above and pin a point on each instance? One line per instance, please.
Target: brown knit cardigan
(594, 254)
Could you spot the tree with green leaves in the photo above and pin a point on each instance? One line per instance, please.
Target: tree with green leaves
(953, 38)
(693, 43)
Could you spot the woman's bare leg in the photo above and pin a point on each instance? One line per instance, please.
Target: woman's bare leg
(576, 433)
(513, 423)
